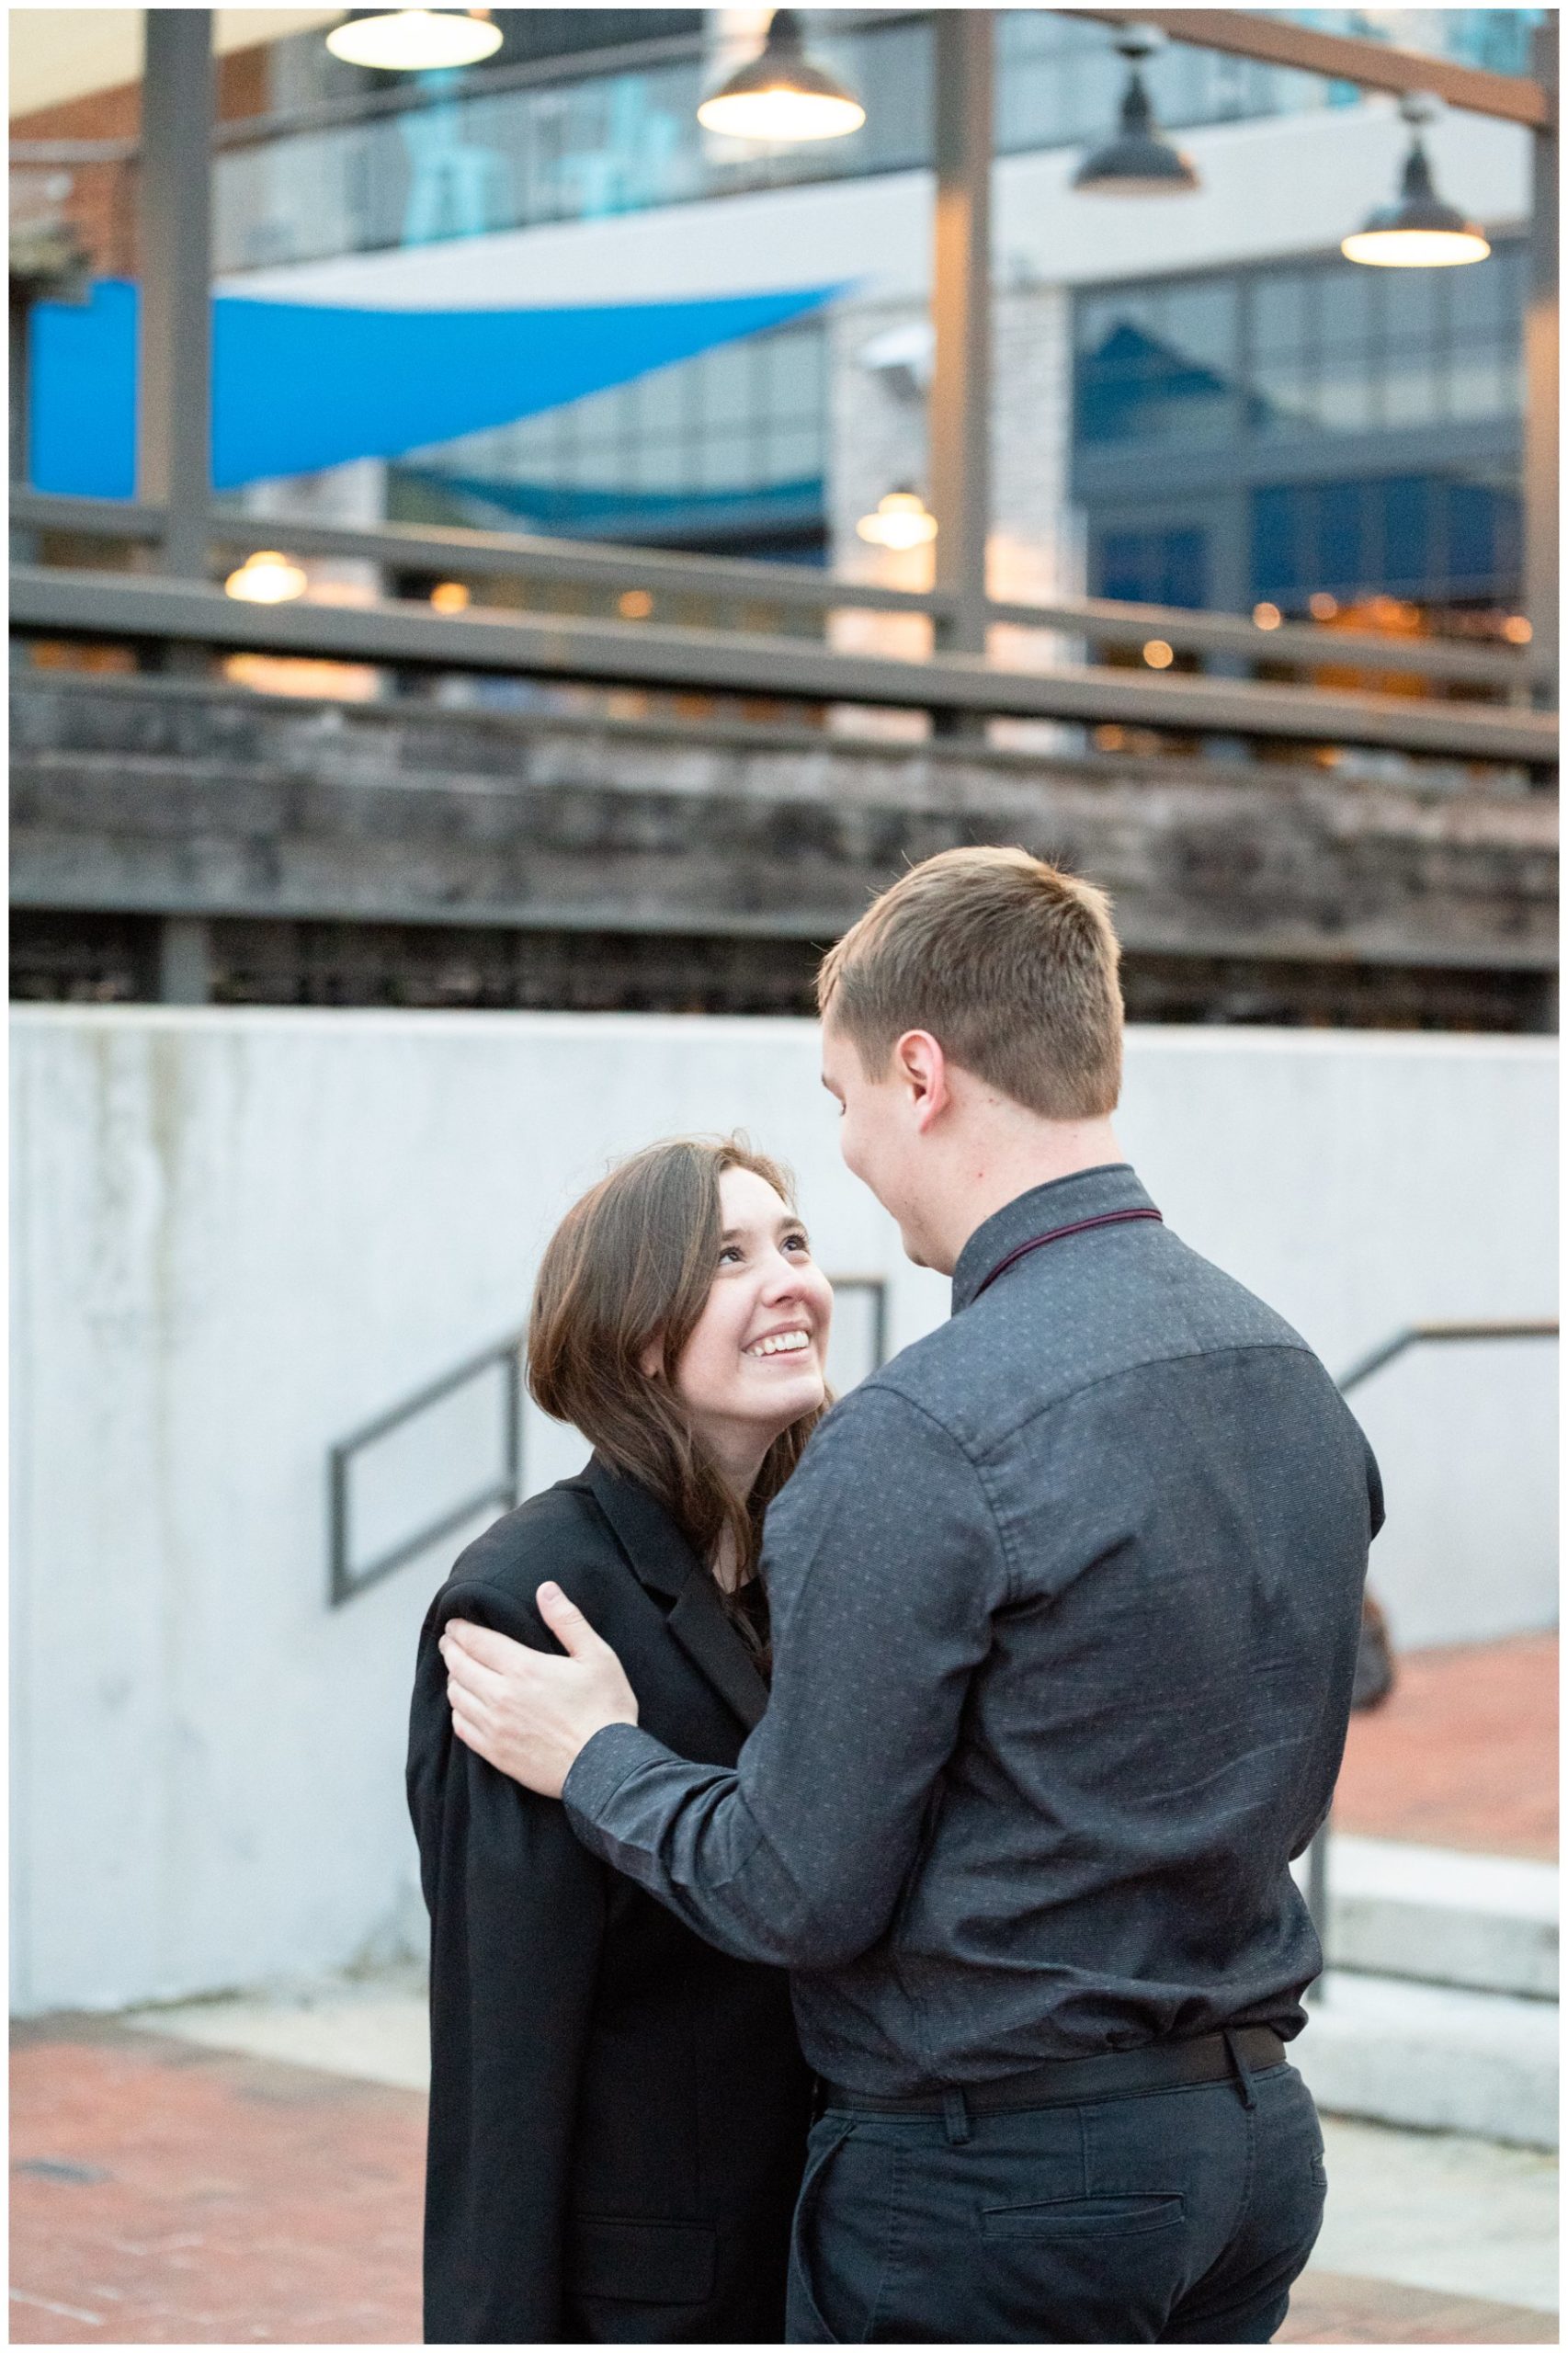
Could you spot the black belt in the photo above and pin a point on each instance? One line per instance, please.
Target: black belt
(1109, 2075)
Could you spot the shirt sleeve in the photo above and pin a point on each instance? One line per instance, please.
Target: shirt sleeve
(884, 1567)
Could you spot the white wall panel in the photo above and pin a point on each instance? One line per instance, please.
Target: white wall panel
(237, 1234)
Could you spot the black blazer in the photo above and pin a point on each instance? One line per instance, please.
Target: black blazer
(618, 2111)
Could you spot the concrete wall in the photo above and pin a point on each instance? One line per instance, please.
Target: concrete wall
(238, 1235)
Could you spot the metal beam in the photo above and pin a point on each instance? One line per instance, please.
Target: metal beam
(1274, 40)
(958, 410)
(173, 364)
(1542, 419)
(112, 606)
(739, 582)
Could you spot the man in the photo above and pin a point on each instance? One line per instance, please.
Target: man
(1065, 1606)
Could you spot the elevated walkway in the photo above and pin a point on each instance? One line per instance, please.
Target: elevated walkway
(161, 798)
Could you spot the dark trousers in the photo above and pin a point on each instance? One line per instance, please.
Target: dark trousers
(1174, 2217)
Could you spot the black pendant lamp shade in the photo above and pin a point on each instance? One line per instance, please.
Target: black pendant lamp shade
(1140, 161)
(781, 95)
(1418, 231)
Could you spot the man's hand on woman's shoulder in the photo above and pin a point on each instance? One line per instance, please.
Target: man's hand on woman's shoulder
(528, 1715)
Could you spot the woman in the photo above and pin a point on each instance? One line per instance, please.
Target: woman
(618, 2111)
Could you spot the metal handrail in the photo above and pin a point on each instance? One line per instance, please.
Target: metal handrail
(1411, 1335)
(1523, 1329)
(625, 652)
(346, 1582)
(749, 580)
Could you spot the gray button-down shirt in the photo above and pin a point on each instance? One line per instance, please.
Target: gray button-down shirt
(1065, 1602)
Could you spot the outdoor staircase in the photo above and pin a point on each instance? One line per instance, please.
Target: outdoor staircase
(1439, 2005)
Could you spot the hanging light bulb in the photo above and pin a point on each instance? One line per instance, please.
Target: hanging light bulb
(1140, 161)
(266, 578)
(1418, 231)
(902, 521)
(780, 94)
(414, 40)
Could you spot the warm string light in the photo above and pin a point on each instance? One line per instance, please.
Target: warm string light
(266, 578)
(901, 520)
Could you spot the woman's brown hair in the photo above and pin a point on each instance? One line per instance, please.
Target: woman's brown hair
(630, 1266)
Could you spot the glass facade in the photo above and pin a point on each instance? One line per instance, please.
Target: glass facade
(728, 447)
(1320, 347)
(1246, 383)
(1406, 535)
(542, 133)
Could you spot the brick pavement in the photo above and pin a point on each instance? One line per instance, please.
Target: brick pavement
(1462, 1754)
(168, 2193)
(1328, 2309)
(163, 2193)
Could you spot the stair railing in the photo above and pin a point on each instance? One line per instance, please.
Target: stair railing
(1411, 1335)
(349, 1577)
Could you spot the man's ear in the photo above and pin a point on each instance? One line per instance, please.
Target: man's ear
(920, 1065)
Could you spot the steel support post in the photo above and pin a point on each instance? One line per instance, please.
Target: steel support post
(185, 960)
(174, 362)
(174, 366)
(959, 408)
(1541, 432)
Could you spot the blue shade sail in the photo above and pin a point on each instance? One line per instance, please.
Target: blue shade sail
(297, 387)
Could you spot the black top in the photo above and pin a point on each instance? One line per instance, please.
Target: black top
(617, 2112)
(1065, 1602)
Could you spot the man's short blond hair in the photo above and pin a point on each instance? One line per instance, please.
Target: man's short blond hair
(1009, 963)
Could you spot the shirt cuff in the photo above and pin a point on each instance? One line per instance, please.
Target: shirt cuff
(600, 1768)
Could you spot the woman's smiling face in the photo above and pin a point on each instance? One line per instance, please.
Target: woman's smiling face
(755, 1361)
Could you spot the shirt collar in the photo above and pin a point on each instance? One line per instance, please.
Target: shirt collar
(1093, 1192)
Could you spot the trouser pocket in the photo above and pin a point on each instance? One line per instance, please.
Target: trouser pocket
(804, 2324)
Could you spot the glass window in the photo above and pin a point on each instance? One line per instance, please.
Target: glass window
(1481, 382)
(1345, 396)
(1409, 303)
(1200, 323)
(1278, 322)
(727, 400)
(1279, 567)
(1153, 567)
(794, 364)
(1158, 367)
(1284, 397)
(794, 453)
(1471, 519)
(724, 460)
(1413, 393)
(1340, 558)
(1345, 299)
(662, 402)
(1407, 501)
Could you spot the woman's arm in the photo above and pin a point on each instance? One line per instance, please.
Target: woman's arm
(516, 1919)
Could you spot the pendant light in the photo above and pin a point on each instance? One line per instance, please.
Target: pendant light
(902, 521)
(1140, 161)
(1418, 231)
(414, 40)
(266, 578)
(781, 95)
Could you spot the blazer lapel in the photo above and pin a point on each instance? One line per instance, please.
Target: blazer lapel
(662, 1560)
